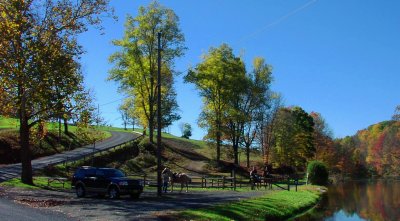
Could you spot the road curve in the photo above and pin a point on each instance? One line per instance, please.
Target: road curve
(14, 170)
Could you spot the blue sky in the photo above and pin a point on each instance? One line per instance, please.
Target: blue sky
(339, 58)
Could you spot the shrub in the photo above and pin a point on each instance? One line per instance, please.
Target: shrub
(132, 165)
(317, 173)
(146, 146)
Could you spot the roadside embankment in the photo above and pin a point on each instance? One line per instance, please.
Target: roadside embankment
(278, 205)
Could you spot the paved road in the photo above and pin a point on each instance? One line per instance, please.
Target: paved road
(11, 211)
(14, 170)
(147, 207)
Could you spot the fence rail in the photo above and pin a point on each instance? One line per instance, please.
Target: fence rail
(90, 152)
(227, 182)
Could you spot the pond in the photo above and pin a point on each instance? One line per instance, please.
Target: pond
(359, 200)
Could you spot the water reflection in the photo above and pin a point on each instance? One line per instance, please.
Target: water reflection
(357, 200)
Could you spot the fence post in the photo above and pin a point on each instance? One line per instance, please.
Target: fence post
(234, 179)
(212, 182)
(144, 180)
(288, 183)
(223, 182)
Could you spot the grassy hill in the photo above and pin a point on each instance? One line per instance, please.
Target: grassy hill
(180, 154)
(51, 143)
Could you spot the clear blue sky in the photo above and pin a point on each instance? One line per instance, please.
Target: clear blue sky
(339, 58)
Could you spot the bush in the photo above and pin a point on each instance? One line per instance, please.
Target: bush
(146, 146)
(317, 173)
(133, 166)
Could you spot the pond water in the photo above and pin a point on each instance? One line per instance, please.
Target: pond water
(359, 200)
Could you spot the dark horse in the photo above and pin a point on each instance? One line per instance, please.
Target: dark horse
(181, 178)
(255, 179)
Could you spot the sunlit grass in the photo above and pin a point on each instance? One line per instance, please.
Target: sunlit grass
(275, 206)
(39, 183)
(8, 122)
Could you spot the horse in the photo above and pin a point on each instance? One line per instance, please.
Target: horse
(255, 179)
(181, 178)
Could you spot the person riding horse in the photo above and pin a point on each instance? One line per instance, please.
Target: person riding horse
(254, 177)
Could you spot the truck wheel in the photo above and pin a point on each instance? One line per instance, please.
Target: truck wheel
(113, 192)
(80, 191)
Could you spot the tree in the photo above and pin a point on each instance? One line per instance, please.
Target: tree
(256, 100)
(215, 78)
(38, 47)
(294, 141)
(265, 124)
(323, 142)
(396, 115)
(186, 130)
(135, 66)
(127, 110)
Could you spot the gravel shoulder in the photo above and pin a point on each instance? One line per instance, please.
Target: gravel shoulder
(147, 207)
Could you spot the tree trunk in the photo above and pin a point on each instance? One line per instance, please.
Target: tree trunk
(26, 174)
(248, 156)
(59, 129)
(236, 153)
(151, 129)
(66, 126)
(125, 125)
(218, 145)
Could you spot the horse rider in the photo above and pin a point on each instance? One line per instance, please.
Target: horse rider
(165, 177)
(254, 175)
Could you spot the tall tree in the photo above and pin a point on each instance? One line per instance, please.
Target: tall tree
(215, 78)
(136, 64)
(38, 43)
(256, 100)
(323, 141)
(265, 124)
(294, 137)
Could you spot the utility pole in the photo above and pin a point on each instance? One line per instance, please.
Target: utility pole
(159, 181)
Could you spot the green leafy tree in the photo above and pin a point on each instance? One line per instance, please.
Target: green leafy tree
(186, 130)
(317, 173)
(216, 77)
(135, 66)
(294, 140)
(127, 110)
(256, 100)
(38, 49)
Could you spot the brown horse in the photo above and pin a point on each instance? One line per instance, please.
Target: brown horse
(181, 178)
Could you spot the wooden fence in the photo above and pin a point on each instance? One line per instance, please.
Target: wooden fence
(229, 182)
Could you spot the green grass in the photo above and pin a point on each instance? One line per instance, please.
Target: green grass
(39, 183)
(275, 206)
(8, 122)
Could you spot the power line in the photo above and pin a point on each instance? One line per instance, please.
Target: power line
(120, 99)
(277, 21)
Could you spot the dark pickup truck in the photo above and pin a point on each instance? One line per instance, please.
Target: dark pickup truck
(105, 181)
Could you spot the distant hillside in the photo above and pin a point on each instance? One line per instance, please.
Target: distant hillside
(378, 148)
